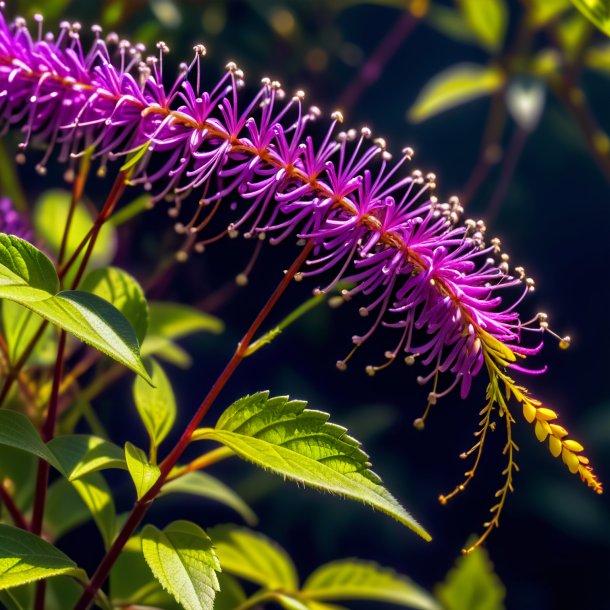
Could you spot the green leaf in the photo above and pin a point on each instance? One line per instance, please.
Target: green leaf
(206, 486)
(300, 444)
(488, 21)
(254, 557)
(543, 11)
(24, 270)
(64, 509)
(81, 454)
(573, 32)
(183, 560)
(166, 350)
(10, 602)
(472, 584)
(132, 583)
(598, 58)
(123, 291)
(174, 321)
(96, 494)
(156, 405)
(50, 216)
(354, 579)
(231, 594)
(25, 558)
(597, 12)
(143, 473)
(17, 431)
(456, 85)
(451, 23)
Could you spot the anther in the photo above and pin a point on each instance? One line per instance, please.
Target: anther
(337, 116)
(241, 279)
(419, 424)
(380, 142)
(363, 311)
(565, 342)
(410, 360)
(408, 152)
(341, 365)
(370, 370)
(200, 50)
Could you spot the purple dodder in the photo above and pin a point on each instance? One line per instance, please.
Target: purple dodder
(450, 295)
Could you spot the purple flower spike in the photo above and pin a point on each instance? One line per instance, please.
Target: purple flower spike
(12, 222)
(451, 296)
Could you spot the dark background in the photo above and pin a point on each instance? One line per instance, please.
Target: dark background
(553, 549)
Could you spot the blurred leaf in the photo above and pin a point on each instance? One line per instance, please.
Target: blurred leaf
(81, 454)
(206, 486)
(18, 470)
(123, 291)
(254, 557)
(10, 602)
(64, 509)
(598, 58)
(454, 86)
(182, 558)
(543, 11)
(51, 213)
(231, 594)
(143, 473)
(174, 320)
(131, 210)
(472, 584)
(572, 32)
(525, 103)
(166, 12)
(24, 558)
(132, 583)
(488, 21)
(546, 63)
(597, 12)
(166, 350)
(17, 431)
(156, 405)
(451, 23)
(96, 494)
(354, 579)
(280, 435)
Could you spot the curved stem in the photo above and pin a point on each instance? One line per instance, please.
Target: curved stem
(141, 506)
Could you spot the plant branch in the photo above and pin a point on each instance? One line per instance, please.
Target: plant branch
(12, 508)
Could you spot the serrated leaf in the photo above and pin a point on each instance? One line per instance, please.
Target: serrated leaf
(26, 558)
(206, 486)
(143, 473)
(487, 20)
(183, 560)
(81, 454)
(597, 12)
(123, 291)
(354, 579)
(17, 431)
(456, 85)
(174, 320)
(254, 557)
(472, 584)
(96, 494)
(156, 405)
(300, 444)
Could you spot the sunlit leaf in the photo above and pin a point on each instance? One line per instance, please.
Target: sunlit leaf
(123, 291)
(354, 579)
(598, 58)
(472, 585)
(454, 86)
(174, 320)
(143, 473)
(206, 486)
(596, 11)
(182, 558)
(24, 558)
(488, 21)
(254, 557)
(451, 23)
(543, 11)
(300, 444)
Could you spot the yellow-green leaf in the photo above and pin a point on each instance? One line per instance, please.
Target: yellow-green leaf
(143, 473)
(596, 11)
(487, 20)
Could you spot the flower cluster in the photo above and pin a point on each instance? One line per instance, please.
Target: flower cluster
(417, 266)
(11, 221)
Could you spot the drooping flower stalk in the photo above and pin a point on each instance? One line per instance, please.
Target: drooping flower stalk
(422, 270)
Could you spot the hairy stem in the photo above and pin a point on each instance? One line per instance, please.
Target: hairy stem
(141, 506)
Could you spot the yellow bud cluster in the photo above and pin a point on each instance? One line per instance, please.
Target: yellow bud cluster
(569, 450)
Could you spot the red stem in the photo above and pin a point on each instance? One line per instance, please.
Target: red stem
(12, 508)
(142, 505)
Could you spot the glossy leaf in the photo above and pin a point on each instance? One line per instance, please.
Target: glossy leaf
(182, 558)
(354, 579)
(487, 20)
(26, 558)
(300, 444)
(17, 431)
(81, 454)
(254, 557)
(156, 405)
(206, 486)
(456, 85)
(143, 473)
(597, 12)
(96, 495)
(472, 584)
(123, 291)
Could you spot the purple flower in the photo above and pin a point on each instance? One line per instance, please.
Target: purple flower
(12, 222)
(419, 269)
